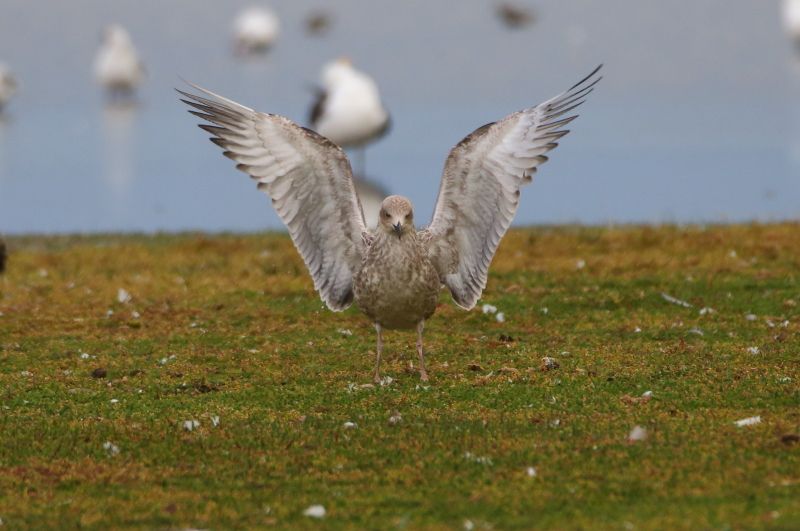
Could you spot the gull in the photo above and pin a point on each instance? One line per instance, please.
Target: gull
(393, 273)
(255, 30)
(791, 20)
(514, 16)
(8, 86)
(348, 109)
(117, 66)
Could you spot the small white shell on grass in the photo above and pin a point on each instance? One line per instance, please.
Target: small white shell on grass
(191, 425)
(637, 434)
(479, 459)
(706, 310)
(315, 511)
(111, 448)
(531, 471)
(488, 308)
(123, 296)
(749, 421)
(349, 425)
(753, 350)
(673, 300)
(500, 317)
(215, 420)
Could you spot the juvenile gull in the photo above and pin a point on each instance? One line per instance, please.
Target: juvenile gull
(394, 272)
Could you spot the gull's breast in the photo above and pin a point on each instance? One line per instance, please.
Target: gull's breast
(397, 285)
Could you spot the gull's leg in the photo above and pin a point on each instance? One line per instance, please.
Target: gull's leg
(423, 374)
(377, 375)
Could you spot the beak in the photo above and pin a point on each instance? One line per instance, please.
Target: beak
(398, 227)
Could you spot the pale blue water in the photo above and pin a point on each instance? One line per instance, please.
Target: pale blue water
(697, 119)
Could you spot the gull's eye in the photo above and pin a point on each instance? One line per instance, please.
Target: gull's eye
(384, 214)
(408, 216)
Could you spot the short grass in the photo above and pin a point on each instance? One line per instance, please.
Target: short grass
(229, 326)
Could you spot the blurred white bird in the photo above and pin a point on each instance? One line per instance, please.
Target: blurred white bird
(255, 30)
(8, 86)
(117, 66)
(348, 108)
(791, 19)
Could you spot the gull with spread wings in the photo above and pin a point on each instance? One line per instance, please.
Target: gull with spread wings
(393, 273)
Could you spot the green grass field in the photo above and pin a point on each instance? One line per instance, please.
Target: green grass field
(228, 328)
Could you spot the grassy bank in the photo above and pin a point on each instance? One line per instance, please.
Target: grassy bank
(227, 331)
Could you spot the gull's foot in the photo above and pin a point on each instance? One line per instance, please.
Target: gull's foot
(376, 377)
(423, 375)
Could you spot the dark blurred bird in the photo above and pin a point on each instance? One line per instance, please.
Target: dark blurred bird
(394, 272)
(318, 23)
(2, 256)
(515, 16)
(8, 86)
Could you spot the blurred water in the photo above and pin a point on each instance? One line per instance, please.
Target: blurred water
(697, 119)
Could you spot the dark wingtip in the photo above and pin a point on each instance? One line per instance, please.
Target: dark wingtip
(582, 81)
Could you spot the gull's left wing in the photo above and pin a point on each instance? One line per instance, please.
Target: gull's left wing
(480, 188)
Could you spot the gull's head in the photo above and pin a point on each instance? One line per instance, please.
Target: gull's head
(396, 216)
(336, 72)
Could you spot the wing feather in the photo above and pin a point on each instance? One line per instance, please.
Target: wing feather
(309, 180)
(480, 189)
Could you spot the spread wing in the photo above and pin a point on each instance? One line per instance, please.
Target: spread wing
(309, 180)
(480, 188)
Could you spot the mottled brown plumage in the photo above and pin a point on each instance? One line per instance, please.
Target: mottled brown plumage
(393, 273)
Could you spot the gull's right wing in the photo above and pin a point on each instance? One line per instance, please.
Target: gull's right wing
(309, 180)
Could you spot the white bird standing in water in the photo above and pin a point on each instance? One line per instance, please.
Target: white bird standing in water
(394, 272)
(791, 20)
(8, 86)
(255, 30)
(117, 66)
(348, 109)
